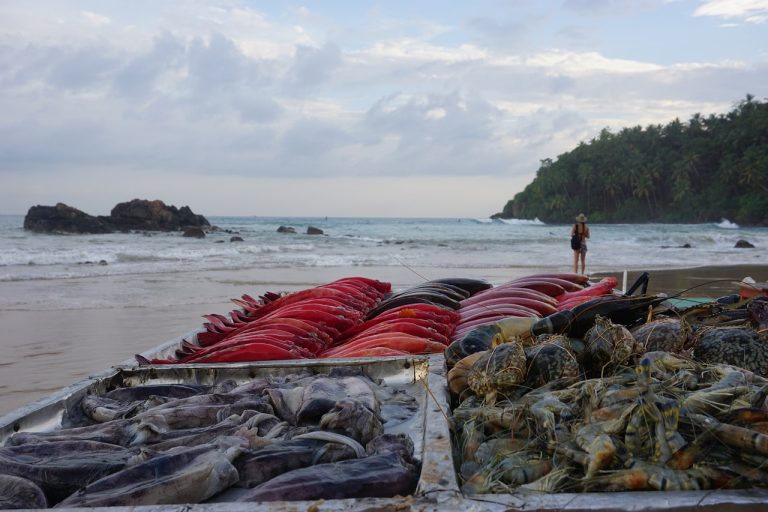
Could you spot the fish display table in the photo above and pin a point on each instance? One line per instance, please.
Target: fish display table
(350, 422)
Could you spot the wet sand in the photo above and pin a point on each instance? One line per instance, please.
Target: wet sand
(47, 343)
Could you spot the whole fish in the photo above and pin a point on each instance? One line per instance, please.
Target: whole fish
(145, 391)
(472, 286)
(120, 432)
(263, 464)
(387, 472)
(199, 416)
(60, 468)
(577, 321)
(194, 436)
(182, 475)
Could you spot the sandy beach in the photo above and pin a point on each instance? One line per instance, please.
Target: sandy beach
(48, 346)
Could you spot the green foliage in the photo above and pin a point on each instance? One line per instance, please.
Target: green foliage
(696, 171)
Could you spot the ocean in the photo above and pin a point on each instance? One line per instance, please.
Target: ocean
(372, 242)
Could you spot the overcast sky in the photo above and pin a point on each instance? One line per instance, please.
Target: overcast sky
(345, 108)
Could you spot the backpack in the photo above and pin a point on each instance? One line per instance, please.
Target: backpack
(576, 239)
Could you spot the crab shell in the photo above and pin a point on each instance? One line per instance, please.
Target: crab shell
(606, 347)
(741, 347)
(551, 358)
(666, 335)
(457, 376)
(757, 309)
(497, 370)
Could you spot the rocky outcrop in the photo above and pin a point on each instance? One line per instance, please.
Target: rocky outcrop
(154, 216)
(743, 244)
(286, 229)
(139, 214)
(63, 219)
(235, 239)
(194, 233)
(312, 230)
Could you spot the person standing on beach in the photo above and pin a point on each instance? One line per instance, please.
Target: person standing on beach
(579, 235)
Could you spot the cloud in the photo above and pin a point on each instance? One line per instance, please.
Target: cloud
(612, 7)
(96, 20)
(493, 32)
(195, 92)
(750, 11)
(312, 67)
(217, 65)
(141, 75)
(312, 138)
(434, 122)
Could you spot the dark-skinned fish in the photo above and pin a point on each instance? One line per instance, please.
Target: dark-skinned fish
(260, 465)
(122, 432)
(385, 473)
(181, 475)
(60, 468)
(194, 416)
(20, 493)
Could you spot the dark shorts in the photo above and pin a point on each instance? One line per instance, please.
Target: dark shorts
(583, 248)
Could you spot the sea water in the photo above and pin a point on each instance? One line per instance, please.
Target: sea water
(369, 242)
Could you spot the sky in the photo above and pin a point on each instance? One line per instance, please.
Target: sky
(345, 108)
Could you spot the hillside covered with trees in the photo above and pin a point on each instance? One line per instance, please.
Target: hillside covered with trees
(702, 170)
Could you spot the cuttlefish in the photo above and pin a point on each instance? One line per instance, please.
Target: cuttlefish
(180, 475)
(387, 471)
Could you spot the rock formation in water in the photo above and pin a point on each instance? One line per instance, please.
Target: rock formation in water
(63, 219)
(154, 216)
(138, 214)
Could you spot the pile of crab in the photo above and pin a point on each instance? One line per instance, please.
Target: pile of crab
(621, 393)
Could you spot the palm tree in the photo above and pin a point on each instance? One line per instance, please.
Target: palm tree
(584, 173)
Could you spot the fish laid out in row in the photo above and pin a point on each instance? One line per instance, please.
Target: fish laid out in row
(617, 393)
(534, 296)
(279, 327)
(350, 317)
(362, 317)
(293, 437)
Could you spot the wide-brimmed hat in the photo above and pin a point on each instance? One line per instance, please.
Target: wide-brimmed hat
(581, 218)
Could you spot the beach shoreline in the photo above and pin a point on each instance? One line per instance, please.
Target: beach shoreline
(53, 339)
